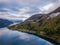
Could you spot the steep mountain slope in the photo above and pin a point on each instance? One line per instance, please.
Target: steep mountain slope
(42, 24)
(55, 11)
(38, 17)
(49, 28)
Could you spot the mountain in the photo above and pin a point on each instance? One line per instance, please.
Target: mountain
(49, 28)
(5, 23)
(47, 25)
(38, 17)
(55, 11)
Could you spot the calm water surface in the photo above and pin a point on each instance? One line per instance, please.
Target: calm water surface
(9, 37)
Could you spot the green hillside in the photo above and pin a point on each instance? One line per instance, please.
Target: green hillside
(48, 27)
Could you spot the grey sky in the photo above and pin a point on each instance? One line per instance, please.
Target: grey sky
(23, 9)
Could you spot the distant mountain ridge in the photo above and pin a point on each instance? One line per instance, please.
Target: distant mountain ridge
(5, 23)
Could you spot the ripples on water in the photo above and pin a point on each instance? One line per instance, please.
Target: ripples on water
(9, 37)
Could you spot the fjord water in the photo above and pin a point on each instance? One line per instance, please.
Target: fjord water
(9, 37)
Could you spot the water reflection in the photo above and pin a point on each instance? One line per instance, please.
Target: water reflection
(9, 37)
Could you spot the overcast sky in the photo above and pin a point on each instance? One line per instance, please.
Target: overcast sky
(23, 9)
